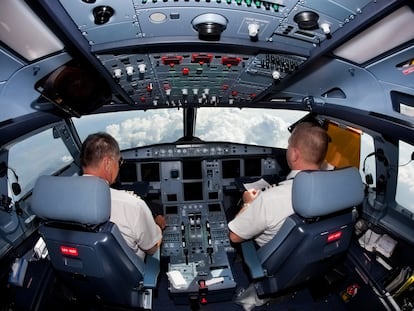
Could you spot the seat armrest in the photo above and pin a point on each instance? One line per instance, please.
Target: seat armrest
(252, 260)
(152, 270)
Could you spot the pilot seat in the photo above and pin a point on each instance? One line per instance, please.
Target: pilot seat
(86, 250)
(313, 238)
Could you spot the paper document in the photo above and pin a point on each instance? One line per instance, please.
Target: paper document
(258, 185)
(176, 279)
(383, 244)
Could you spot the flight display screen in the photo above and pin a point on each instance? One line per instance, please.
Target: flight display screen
(150, 171)
(193, 191)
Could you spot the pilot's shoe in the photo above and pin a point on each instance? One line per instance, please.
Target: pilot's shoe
(248, 299)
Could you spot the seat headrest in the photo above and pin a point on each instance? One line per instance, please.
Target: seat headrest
(79, 199)
(319, 193)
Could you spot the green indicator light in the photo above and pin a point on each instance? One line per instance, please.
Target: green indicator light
(239, 2)
(258, 3)
(248, 2)
(228, 1)
(276, 7)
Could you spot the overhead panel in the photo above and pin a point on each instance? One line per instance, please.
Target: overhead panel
(196, 78)
(123, 21)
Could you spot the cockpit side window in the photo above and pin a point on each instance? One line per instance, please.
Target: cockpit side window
(39, 154)
(27, 159)
(405, 181)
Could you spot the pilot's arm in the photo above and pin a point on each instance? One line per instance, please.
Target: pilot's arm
(250, 221)
(235, 238)
(153, 249)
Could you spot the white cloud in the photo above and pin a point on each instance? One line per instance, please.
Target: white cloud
(67, 158)
(250, 126)
(405, 184)
(149, 128)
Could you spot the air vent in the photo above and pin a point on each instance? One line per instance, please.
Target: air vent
(102, 14)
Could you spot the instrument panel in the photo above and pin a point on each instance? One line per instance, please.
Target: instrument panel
(190, 172)
(196, 184)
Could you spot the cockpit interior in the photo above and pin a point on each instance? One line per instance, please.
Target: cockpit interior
(202, 96)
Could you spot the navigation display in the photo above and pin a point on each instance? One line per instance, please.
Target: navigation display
(193, 191)
(150, 172)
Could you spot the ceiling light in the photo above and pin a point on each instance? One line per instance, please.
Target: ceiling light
(158, 17)
(395, 29)
(24, 32)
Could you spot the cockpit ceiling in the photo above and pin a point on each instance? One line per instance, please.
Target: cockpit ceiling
(168, 53)
(173, 52)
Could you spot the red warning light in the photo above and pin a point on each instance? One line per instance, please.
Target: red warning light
(69, 251)
(334, 236)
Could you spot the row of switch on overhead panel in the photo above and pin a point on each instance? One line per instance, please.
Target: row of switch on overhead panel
(201, 59)
(129, 69)
(277, 64)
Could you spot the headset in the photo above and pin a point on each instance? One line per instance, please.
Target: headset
(5, 200)
(380, 156)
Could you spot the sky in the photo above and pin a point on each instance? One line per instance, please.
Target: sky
(254, 126)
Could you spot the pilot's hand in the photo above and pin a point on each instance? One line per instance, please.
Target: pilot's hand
(250, 195)
(160, 221)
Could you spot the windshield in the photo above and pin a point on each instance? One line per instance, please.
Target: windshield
(267, 127)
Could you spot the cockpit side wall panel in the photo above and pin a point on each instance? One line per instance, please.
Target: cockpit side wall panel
(9, 65)
(18, 93)
(361, 88)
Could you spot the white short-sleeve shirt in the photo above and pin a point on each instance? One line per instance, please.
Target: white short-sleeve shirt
(134, 220)
(265, 215)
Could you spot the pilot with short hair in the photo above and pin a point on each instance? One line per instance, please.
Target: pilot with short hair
(100, 156)
(264, 212)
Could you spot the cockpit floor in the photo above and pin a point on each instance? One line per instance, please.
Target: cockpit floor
(331, 292)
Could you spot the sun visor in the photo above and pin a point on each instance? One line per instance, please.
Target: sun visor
(344, 147)
(75, 90)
